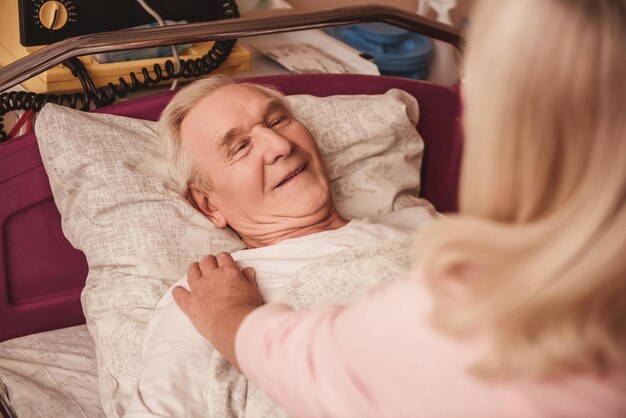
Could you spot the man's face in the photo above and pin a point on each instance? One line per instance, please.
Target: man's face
(264, 168)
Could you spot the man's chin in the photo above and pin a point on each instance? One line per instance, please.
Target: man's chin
(301, 217)
(313, 210)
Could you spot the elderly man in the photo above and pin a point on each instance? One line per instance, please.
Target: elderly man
(246, 163)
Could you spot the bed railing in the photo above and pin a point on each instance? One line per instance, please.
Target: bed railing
(289, 21)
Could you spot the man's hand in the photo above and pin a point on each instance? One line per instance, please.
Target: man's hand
(221, 296)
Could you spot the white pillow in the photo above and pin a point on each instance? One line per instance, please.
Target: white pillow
(118, 206)
(370, 146)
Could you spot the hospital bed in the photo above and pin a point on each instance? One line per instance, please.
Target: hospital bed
(42, 274)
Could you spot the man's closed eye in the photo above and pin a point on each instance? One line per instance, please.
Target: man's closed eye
(280, 121)
(240, 148)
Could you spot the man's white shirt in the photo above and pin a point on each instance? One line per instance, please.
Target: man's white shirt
(175, 366)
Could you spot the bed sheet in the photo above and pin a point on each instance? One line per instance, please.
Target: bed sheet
(51, 374)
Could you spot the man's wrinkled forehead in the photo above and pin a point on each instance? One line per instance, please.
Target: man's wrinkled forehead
(219, 114)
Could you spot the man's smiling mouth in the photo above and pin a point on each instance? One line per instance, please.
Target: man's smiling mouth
(291, 175)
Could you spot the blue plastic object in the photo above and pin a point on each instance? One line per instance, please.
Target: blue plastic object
(395, 51)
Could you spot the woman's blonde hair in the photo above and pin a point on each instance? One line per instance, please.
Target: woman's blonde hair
(182, 166)
(537, 255)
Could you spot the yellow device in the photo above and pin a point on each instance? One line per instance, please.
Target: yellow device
(52, 16)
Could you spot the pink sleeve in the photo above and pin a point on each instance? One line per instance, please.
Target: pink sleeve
(334, 361)
(380, 357)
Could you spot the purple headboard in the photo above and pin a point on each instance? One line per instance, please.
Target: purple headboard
(42, 275)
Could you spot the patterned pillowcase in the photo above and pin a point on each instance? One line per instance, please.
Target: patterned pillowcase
(119, 206)
(370, 146)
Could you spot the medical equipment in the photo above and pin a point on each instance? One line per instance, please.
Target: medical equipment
(395, 51)
(43, 22)
(100, 83)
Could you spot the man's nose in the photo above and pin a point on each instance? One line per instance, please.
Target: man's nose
(274, 145)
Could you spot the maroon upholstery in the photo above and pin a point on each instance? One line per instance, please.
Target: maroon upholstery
(41, 275)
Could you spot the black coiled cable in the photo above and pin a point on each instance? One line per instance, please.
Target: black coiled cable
(102, 96)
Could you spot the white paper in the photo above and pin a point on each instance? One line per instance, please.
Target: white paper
(305, 58)
(313, 51)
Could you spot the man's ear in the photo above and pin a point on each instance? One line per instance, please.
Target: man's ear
(202, 202)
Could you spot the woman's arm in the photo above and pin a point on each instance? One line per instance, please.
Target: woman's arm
(340, 361)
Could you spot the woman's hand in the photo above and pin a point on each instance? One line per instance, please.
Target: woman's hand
(221, 296)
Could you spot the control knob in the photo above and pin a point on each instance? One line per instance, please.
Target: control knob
(53, 15)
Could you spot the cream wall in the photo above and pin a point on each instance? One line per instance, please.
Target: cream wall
(462, 9)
